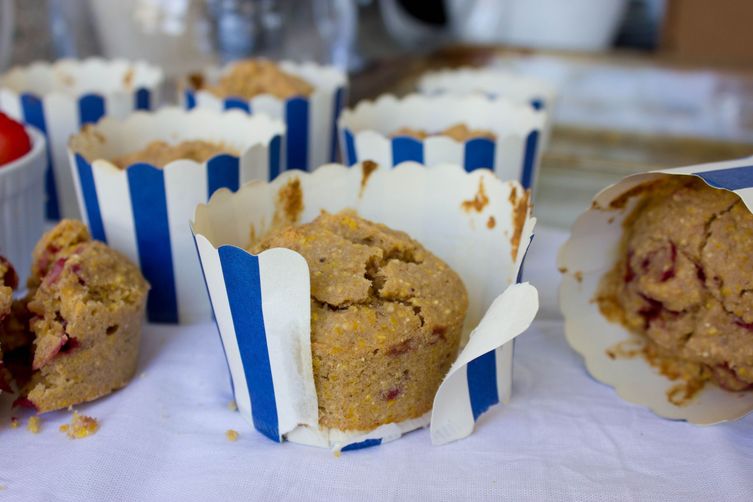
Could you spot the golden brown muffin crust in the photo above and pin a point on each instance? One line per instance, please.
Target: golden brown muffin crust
(252, 77)
(386, 319)
(160, 153)
(458, 132)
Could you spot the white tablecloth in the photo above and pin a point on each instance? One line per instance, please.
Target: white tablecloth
(563, 437)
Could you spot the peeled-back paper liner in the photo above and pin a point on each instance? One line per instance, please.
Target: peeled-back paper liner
(22, 204)
(311, 121)
(591, 251)
(58, 99)
(144, 211)
(366, 134)
(476, 223)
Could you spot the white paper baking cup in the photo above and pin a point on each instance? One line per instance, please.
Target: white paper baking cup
(22, 204)
(262, 302)
(492, 82)
(143, 211)
(311, 121)
(59, 98)
(590, 252)
(514, 155)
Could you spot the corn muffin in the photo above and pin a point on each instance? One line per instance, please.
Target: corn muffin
(252, 77)
(160, 153)
(8, 282)
(386, 319)
(683, 283)
(458, 132)
(86, 303)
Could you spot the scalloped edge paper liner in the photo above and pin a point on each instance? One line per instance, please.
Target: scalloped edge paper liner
(311, 121)
(494, 82)
(589, 253)
(144, 211)
(22, 205)
(262, 302)
(59, 114)
(514, 154)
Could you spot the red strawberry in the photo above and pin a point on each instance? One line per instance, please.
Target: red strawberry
(14, 142)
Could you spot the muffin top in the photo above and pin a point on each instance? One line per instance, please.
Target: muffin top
(458, 132)
(252, 77)
(380, 282)
(160, 153)
(682, 281)
(74, 275)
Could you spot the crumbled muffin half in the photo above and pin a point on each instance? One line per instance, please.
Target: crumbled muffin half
(683, 283)
(85, 304)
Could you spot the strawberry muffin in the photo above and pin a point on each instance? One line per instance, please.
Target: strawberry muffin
(682, 282)
(86, 303)
(160, 153)
(252, 77)
(8, 282)
(386, 319)
(458, 132)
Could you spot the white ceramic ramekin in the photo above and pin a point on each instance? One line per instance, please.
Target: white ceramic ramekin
(22, 204)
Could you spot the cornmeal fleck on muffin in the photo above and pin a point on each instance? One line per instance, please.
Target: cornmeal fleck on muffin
(683, 281)
(458, 132)
(160, 153)
(252, 77)
(386, 319)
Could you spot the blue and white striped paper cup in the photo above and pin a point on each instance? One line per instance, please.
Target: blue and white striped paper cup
(58, 99)
(590, 252)
(262, 302)
(144, 211)
(22, 204)
(311, 121)
(367, 134)
(493, 82)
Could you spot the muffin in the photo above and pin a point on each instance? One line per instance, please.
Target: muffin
(139, 180)
(86, 303)
(159, 153)
(458, 132)
(252, 77)
(386, 319)
(8, 282)
(680, 283)
(473, 131)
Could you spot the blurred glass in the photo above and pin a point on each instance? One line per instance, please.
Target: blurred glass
(187, 35)
(323, 31)
(6, 32)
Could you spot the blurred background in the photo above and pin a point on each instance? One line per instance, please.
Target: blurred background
(642, 84)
